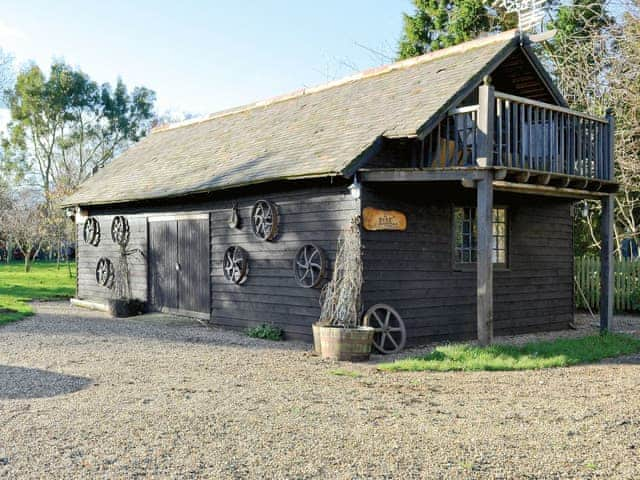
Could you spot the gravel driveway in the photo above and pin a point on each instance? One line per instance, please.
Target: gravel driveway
(85, 396)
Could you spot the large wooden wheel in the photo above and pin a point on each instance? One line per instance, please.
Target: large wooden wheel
(309, 266)
(264, 220)
(105, 272)
(91, 231)
(235, 265)
(120, 230)
(390, 333)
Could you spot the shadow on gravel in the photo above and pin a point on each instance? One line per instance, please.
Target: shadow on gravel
(23, 383)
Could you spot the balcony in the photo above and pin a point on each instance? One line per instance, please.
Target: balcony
(530, 141)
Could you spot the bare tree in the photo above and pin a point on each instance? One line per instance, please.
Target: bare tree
(23, 220)
(599, 69)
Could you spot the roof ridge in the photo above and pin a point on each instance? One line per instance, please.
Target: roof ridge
(368, 73)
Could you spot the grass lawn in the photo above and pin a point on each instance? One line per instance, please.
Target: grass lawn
(44, 281)
(557, 353)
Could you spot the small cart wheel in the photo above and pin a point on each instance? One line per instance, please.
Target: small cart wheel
(105, 272)
(309, 266)
(390, 333)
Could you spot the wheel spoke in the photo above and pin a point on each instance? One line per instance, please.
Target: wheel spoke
(375, 314)
(395, 344)
(386, 318)
(383, 336)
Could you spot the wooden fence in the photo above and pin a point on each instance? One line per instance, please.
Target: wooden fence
(626, 284)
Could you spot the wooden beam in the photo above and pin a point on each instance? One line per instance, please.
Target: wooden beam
(545, 190)
(606, 263)
(543, 179)
(500, 173)
(579, 183)
(484, 294)
(468, 183)
(522, 177)
(549, 106)
(420, 175)
(487, 103)
(562, 182)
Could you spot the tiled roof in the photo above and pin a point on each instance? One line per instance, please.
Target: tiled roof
(312, 133)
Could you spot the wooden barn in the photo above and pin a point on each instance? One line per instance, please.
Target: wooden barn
(463, 164)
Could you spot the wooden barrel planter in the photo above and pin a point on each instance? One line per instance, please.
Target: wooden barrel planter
(316, 338)
(346, 344)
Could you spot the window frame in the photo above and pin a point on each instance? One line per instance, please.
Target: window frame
(472, 266)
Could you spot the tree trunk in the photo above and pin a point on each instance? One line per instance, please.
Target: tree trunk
(27, 263)
(58, 253)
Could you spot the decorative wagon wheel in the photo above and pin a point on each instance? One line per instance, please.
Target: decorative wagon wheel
(104, 272)
(235, 265)
(91, 231)
(264, 220)
(120, 230)
(309, 266)
(390, 333)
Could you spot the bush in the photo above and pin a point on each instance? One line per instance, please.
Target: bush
(266, 332)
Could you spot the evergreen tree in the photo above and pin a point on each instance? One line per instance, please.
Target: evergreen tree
(438, 24)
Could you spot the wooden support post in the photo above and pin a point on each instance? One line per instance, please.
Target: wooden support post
(609, 163)
(606, 263)
(484, 219)
(487, 105)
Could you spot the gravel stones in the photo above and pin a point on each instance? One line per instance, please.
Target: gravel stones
(159, 396)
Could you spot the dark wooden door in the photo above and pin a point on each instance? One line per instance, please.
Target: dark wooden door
(179, 265)
(163, 256)
(193, 261)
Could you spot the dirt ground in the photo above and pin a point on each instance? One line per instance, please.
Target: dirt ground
(85, 396)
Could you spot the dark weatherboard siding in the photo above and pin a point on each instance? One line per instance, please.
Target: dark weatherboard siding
(88, 256)
(271, 294)
(413, 270)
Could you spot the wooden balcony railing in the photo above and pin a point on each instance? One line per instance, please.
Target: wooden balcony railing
(514, 132)
(538, 136)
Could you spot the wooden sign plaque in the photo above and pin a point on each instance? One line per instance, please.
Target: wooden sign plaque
(374, 219)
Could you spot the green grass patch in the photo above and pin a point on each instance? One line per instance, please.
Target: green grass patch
(266, 332)
(341, 372)
(44, 282)
(531, 356)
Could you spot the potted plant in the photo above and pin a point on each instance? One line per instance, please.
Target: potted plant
(122, 304)
(341, 335)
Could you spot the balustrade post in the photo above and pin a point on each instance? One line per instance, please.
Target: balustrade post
(486, 118)
(610, 160)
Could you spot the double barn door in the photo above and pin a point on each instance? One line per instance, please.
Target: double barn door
(179, 265)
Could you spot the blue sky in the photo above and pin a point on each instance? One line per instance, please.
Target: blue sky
(202, 56)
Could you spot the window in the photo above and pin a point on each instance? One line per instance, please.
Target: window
(466, 243)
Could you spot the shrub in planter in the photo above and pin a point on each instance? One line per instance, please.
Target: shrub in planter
(341, 335)
(123, 307)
